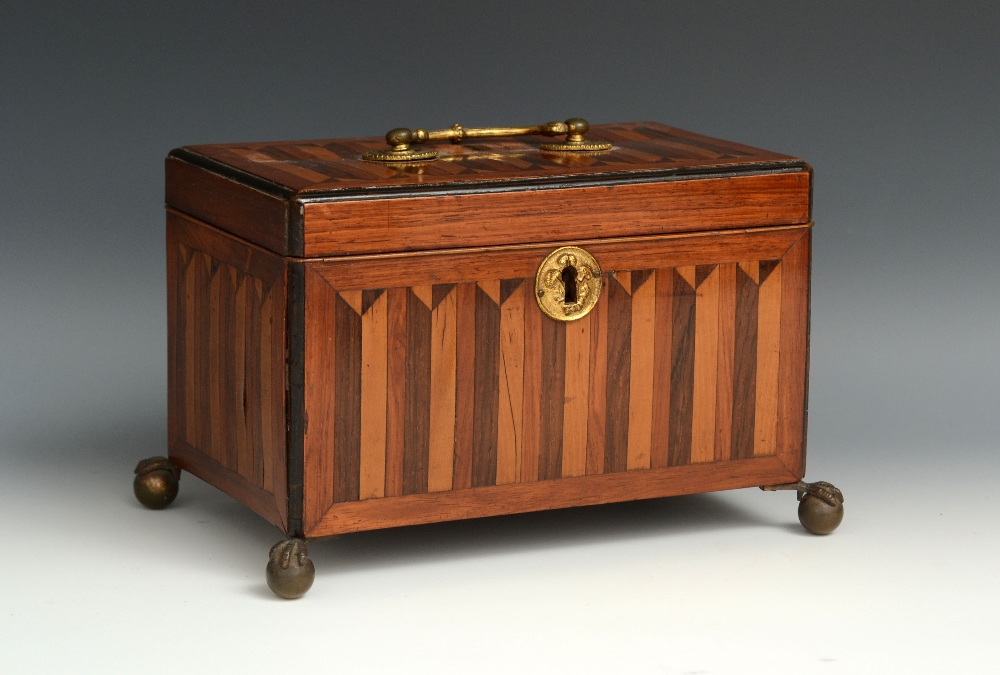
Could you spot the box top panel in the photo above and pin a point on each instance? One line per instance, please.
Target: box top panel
(333, 167)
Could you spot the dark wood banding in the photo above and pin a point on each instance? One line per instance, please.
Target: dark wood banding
(744, 365)
(618, 374)
(465, 384)
(487, 389)
(418, 396)
(681, 371)
(553, 392)
(347, 381)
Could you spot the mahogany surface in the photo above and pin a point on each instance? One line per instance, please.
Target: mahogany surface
(356, 346)
(316, 198)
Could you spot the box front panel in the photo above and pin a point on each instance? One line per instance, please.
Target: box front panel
(445, 391)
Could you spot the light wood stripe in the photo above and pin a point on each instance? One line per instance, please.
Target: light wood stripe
(465, 373)
(254, 408)
(598, 371)
(706, 365)
(768, 344)
(244, 457)
(320, 354)
(396, 343)
(662, 366)
(510, 434)
(353, 299)
(640, 408)
(577, 399)
(374, 342)
(274, 398)
(441, 459)
(793, 367)
(727, 328)
(269, 362)
(531, 425)
(216, 370)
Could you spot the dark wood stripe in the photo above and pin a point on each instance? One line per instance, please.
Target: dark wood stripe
(295, 313)
(507, 288)
(347, 398)
(744, 366)
(487, 391)
(465, 371)
(553, 395)
(597, 395)
(203, 346)
(418, 395)
(702, 272)
(662, 358)
(368, 298)
(177, 258)
(244, 460)
(681, 372)
(232, 384)
(639, 278)
(395, 393)
(766, 267)
(439, 293)
(254, 379)
(532, 406)
(619, 376)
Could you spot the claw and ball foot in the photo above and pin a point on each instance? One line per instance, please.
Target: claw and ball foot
(156, 482)
(290, 572)
(821, 505)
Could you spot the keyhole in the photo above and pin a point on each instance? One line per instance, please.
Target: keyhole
(569, 284)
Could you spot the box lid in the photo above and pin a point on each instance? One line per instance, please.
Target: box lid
(320, 198)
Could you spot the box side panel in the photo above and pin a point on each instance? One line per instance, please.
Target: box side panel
(231, 206)
(226, 342)
(547, 215)
(437, 389)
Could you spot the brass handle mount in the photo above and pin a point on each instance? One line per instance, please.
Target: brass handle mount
(401, 141)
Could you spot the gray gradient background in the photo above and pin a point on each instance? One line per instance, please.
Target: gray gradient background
(895, 105)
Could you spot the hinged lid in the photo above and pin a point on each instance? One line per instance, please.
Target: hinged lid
(320, 198)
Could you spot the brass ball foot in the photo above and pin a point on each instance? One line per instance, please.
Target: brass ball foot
(290, 572)
(819, 516)
(156, 482)
(821, 505)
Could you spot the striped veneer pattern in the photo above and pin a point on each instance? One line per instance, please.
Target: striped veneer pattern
(226, 383)
(675, 366)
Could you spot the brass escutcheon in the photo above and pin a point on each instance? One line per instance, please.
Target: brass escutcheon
(568, 283)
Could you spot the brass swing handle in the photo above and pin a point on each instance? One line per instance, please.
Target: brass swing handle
(401, 141)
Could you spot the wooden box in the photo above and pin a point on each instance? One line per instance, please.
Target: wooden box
(357, 345)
